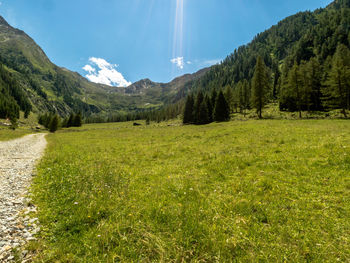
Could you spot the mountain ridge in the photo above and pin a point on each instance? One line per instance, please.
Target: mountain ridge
(49, 87)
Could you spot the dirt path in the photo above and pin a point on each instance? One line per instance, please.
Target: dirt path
(17, 161)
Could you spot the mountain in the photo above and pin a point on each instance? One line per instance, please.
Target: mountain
(166, 92)
(296, 39)
(31, 82)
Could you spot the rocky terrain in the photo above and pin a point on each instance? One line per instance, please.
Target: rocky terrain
(17, 226)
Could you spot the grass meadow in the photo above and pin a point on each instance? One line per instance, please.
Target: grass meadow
(241, 191)
(7, 134)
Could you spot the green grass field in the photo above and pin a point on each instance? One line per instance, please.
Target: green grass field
(250, 191)
(7, 134)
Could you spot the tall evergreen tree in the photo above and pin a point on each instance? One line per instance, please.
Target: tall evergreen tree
(203, 113)
(337, 89)
(188, 116)
(229, 97)
(197, 105)
(294, 85)
(210, 107)
(244, 95)
(70, 121)
(53, 125)
(315, 78)
(77, 122)
(213, 97)
(221, 109)
(260, 87)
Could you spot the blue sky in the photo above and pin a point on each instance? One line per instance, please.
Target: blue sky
(122, 41)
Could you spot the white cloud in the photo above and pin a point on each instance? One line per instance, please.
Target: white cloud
(179, 62)
(189, 62)
(100, 71)
(89, 69)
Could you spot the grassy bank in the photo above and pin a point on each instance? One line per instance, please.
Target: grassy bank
(269, 191)
(7, 134)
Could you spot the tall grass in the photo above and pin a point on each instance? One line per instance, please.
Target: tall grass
(254, 191)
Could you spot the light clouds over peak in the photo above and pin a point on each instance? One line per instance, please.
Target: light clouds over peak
(179, 62)
(100, 71)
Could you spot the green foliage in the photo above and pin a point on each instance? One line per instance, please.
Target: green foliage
(304, 43)
(77, 122)
(188, 116)
(54, 123)
(337, 91)
(221, 109)
(14, 123)
(213, 193)
(12, 97)
(260, 87)
(203, 116)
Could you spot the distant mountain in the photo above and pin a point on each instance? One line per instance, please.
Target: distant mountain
(42, 86)
(167, 92)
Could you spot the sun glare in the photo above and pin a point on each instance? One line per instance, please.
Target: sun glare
(178, 30)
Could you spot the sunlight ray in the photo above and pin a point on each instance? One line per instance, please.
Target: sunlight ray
(178, 29)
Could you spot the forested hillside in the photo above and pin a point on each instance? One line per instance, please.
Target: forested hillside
(307, 59)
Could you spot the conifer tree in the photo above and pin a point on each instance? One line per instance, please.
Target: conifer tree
(203, 113)
(70, 121)
(77, 122)
(188, 117)
(314, 74)
(244, 95)
(197, 105)
(229, 97)
(213, 96)
(53, 125)
(221, 109)
(294, 85)
(210, 107)
(260, 87)
(338, 83)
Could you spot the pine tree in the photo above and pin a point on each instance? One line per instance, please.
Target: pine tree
(337, 89)
(203, 113)
(197, 105)
(260, 87)
(314, 74)
(188, 117)
(210, 107)
(229, 97)
(213, 97)
(53, 126)
(77, 122)
(221, 109)
(70, 121)
(294, 86)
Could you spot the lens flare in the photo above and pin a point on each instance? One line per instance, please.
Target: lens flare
(178, 30)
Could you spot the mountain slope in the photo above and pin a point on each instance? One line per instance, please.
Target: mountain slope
(297, 38)
(48, 87)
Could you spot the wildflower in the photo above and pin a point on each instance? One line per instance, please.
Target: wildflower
(76, 203)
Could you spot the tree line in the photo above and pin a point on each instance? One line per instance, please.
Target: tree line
(53, 122)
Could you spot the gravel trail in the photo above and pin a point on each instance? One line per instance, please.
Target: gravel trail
(17, 162)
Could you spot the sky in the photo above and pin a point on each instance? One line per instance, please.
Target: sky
(118, 42)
